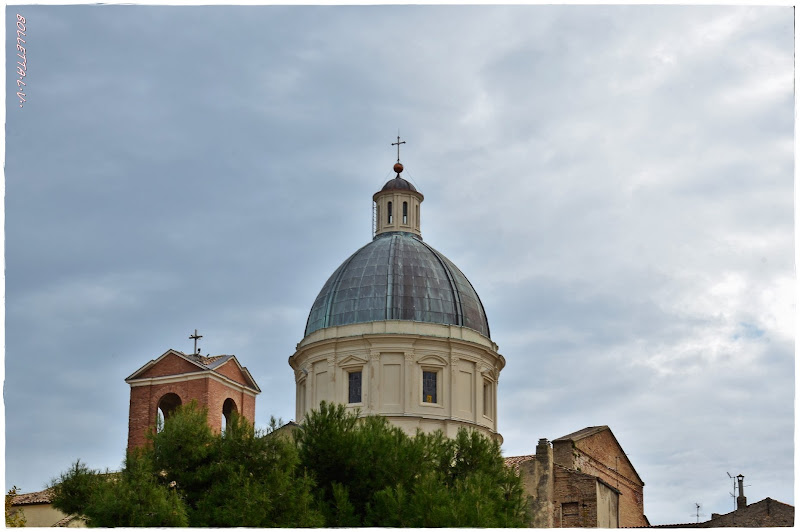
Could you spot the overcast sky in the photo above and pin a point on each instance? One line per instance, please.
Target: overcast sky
(616, 183)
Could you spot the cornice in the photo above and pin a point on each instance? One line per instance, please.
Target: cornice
(167, 379)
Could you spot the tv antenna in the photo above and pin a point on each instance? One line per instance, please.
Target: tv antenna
(697, 513)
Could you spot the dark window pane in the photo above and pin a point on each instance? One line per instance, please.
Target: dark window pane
(354, 387)
(428, 386)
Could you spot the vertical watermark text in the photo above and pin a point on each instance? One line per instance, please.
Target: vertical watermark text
(22, 66)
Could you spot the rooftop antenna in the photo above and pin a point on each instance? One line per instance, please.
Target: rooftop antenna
(697, 511)
(195, 337)
(733, 493)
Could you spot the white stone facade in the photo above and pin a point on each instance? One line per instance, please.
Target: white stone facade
(392, 357)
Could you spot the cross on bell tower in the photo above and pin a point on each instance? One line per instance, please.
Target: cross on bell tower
(195, 337)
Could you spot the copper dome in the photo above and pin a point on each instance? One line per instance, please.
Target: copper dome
(397, 277)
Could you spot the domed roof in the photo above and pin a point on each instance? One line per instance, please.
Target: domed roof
(398, 183)
(397, 277)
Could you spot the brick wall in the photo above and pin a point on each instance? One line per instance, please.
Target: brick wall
(144, 405)
(218, 393)
(232, 371)
(600, 455)
(575, 496)
(207, 392)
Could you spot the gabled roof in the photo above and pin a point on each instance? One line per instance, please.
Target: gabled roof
(202, 363)
(37, 497)
(584, 433)
(591, 431)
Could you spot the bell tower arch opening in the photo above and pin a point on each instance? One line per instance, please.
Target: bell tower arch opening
(228, 410)
(166, 407)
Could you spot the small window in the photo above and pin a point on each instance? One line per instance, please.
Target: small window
(429, 387)
(354, 387)
(389, 212)
(416, 220)
(405, 212)
(487, 398)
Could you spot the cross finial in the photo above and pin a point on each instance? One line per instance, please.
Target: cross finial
(398, 143)
(195, 337)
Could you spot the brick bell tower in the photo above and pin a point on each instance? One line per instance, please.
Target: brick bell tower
(218, 383)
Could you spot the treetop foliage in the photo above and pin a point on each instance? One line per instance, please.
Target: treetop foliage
(371, 473)
(338, 470)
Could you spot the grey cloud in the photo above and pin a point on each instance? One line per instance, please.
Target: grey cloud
(615, 181)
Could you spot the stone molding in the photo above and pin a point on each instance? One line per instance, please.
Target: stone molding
(413, 346)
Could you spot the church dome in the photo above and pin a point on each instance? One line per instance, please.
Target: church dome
(360, 346)
(398, 183)
(397, 277)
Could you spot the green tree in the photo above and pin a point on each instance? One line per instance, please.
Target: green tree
(339, 471)
(191, 476)
(14, 517)
(247, 478)
(132, 497)
(370, 473)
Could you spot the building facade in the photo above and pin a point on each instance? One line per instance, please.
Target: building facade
(583, 479)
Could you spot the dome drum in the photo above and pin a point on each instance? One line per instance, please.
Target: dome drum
(393, 362)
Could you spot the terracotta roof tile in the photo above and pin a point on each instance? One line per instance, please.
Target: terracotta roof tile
(38, 497)
(514, 461)
(65, 522)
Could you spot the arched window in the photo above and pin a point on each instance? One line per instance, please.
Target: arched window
(389, 212)
(228, 409)
(166, 407)
(405, 212)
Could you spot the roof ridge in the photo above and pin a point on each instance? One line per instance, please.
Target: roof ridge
(583, 433)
